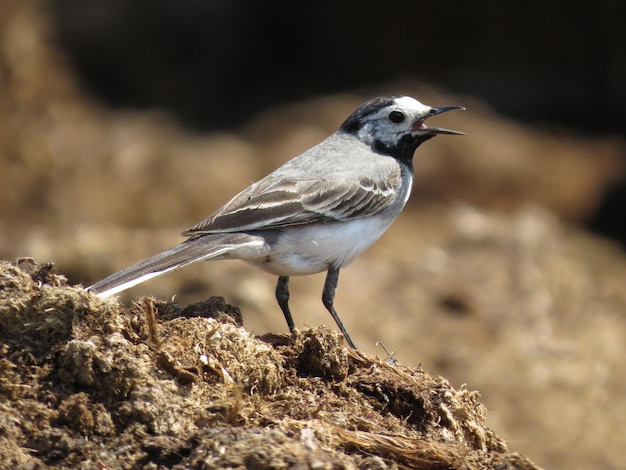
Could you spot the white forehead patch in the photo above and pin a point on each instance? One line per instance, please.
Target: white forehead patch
(406, 102)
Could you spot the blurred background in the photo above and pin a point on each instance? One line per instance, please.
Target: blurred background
(124, 123)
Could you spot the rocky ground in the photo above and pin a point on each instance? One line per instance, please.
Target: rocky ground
(487, 279)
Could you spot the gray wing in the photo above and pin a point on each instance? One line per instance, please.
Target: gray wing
(276, 202)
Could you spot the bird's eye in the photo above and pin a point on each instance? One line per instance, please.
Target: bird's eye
(396, 117)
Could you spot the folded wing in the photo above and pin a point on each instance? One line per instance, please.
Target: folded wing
(275, 204)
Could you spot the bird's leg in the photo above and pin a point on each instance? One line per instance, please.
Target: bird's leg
(282, 296)
(328, 297)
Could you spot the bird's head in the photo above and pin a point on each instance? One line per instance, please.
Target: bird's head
(395, 125)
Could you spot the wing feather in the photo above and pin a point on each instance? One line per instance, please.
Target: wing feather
(275, 204)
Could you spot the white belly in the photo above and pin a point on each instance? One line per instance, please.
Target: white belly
(313, 249)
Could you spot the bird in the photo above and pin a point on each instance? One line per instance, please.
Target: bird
(315, 213)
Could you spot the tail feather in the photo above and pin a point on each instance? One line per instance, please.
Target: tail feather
(197, 249)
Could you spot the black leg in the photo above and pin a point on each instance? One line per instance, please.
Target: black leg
(282, 295)
(328, 297)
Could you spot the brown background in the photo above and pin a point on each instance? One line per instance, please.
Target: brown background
(111, 147)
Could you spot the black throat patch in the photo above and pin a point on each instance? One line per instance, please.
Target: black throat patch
(405, 149)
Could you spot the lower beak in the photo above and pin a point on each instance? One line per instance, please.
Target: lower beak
(420, 126)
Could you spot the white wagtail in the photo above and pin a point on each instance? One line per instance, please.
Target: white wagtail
(317, 212)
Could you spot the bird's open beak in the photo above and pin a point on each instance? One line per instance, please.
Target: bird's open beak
(420, 126)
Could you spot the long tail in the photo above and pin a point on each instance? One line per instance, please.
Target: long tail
(198, 249)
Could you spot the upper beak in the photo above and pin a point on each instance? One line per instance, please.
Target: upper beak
(420, 126)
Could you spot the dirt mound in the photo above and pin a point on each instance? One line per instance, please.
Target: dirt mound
(86, 382)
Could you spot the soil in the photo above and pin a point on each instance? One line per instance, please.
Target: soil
(88, 383)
